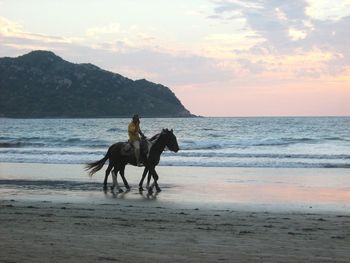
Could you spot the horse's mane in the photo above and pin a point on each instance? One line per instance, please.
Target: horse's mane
(154, 137)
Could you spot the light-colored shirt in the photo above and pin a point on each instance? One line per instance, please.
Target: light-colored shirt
(133, 132)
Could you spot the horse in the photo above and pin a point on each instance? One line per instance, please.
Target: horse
(118, 159)
(145, 172)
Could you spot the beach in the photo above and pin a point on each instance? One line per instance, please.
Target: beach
(202, 215)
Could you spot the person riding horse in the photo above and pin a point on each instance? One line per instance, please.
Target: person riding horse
(134, 133)
(118, 159)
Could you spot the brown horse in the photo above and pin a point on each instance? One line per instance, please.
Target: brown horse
(118, 159)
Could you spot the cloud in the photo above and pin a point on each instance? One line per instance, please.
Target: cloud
(226, 45)
(169, 69)
(327, 10)
(223, 6)
(296, 34)
(108, 29)
(269, 20)
(11, 29)
(137, 55)
(280, 14)
(287, 29)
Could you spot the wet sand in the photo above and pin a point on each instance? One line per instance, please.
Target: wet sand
(56, 232)
(49, 214)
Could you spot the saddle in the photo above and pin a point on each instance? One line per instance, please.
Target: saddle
(128, 148)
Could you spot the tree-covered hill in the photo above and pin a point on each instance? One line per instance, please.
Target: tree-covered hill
(43, 85)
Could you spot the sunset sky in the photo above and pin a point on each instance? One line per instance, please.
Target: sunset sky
(220, 57)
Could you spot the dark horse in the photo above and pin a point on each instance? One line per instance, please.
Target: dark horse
(118, 159)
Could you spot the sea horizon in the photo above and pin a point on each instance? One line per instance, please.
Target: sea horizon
(191, 117)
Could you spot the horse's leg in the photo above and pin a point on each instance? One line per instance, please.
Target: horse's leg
(115, 181)
(145, 171)
(155, 183)
(122, 170)
(148, 179)
(108, 170)
(155, 179)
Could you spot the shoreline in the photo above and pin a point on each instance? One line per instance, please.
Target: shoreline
(253, 189)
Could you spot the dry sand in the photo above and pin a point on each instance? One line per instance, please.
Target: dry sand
(124, 232)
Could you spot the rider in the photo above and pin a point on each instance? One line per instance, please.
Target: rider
(134, 131)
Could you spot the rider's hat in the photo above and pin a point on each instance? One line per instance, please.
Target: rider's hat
(136, 116)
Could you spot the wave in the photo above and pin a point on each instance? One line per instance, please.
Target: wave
(180, 154)
(258, 155)
(10, 144)
(255, 165)
(54, 142)
(213, 144)
(20, 144)
(336, 139)
(199, 162)
(72, 140)
(285, 141)
(184, 163)
(34, 151)
(115, 130)
(251, 143)
(213, 154)
(23, 138)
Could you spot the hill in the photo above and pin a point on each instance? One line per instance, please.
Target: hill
(43, 85)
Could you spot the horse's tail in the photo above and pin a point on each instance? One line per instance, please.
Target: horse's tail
(96, 166)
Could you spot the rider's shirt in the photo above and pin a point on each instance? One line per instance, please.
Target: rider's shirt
(133, 131)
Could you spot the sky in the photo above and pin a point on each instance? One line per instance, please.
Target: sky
(220, 57)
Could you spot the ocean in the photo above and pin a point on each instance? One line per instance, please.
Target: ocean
(298, 142)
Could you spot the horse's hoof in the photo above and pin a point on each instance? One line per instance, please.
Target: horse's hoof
(150, 191)
(112, 188)
(128, 188)
(105, 187)
(120, 191)
(158, 190)
(141, 189)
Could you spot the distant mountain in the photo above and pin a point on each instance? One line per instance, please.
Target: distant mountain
(43, 85)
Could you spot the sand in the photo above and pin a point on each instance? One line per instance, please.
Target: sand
(42, 222)
(65, 232)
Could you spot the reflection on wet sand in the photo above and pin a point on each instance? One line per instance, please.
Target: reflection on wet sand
(325, 189)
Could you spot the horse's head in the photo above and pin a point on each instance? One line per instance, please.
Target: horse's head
(170, 140)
